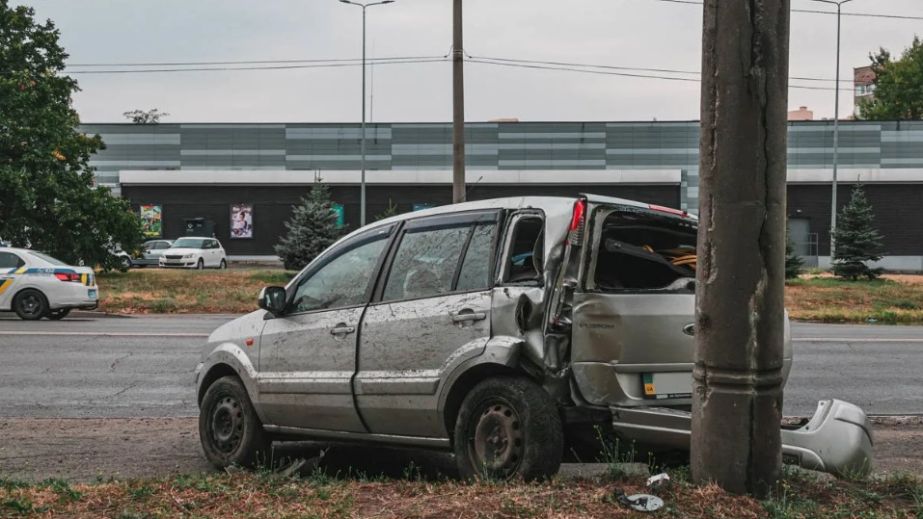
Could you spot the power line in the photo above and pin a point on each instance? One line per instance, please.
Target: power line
(487, 61)
(818, 11)
(247, 62)
(638, 69)
(270, 67)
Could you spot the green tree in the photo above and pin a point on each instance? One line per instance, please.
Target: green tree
(151, 116)
(857, 241)
(49, 200)
(312, 228)
(390, 211)
(898, 85)
(793, 262)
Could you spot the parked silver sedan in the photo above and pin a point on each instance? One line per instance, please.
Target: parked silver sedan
(509, 331)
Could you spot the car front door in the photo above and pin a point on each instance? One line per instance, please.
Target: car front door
(214, 253)
(433, 304)
(308, 354)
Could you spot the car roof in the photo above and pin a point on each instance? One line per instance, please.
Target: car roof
(196, 238)
(15, 249)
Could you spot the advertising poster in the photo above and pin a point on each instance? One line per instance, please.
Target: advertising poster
(242, 221)
(340, 213)
(151, 220)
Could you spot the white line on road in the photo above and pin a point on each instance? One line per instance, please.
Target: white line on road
(854, 339)
(106, 334)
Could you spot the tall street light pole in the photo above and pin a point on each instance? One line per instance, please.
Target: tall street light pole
(836, 127)
(362, 138)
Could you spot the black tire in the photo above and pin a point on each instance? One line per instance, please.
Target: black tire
(508, 428)
(223, 265)
(229, 429)
(124, 264)
(200, 265)
(30, 305)
(57, 315)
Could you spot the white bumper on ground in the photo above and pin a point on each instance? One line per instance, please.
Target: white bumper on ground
(837, 439)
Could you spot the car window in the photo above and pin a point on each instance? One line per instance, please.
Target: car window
(525, 255)
(341, 282)
(425, 263)
(47, 258)
(8, 260)
(162, 245)
(475, 271)
(189, 243)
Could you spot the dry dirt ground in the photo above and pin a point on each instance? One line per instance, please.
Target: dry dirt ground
(35, 449)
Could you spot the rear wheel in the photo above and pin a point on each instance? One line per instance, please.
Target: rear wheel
(57, 315)
(124, 264)
(200, 265)
(508, 428)
(229, 429)
(223, 265)
(30, 305)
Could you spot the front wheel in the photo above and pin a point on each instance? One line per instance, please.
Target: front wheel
(200, 265)
(30, 305)
(229, 429)
(508, 427)
(57, 315)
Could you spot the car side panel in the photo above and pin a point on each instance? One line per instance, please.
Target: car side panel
(405, 348)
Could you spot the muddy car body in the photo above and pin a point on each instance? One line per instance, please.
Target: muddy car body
(508, 330)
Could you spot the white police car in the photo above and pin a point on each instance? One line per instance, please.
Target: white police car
(35, 285)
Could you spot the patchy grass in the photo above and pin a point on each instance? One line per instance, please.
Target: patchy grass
(185, 291)
(264, 494)
(892, 300)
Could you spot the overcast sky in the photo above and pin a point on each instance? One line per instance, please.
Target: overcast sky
(630, 33)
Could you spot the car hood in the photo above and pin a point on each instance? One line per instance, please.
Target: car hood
(181, 251)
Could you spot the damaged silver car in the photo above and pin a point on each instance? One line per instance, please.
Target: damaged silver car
(509, 331)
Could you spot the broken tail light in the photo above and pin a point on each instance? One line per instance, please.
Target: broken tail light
(577, 222)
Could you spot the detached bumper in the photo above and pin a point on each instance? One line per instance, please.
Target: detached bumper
(837, 439)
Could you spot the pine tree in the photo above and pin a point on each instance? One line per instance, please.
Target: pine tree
(857, 241)
(793, 262)
(389, 212)
(312, 228)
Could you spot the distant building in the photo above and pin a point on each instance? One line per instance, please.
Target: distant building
(864, 86)
(801, 114)
(192, 172)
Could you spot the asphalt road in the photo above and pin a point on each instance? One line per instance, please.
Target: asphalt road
(142, 367)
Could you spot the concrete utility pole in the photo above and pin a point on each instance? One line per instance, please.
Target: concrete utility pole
(458, 106)
(737, 388)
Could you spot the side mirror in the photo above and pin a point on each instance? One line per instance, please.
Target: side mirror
(272, 299)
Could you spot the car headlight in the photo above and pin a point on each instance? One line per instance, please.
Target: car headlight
(187, 256)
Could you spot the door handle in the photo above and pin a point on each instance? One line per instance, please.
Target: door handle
(342, 330)
(468, 315)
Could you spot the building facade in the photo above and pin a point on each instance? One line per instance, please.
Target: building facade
(209, 171)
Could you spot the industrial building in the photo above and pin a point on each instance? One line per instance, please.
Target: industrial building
(178, 173)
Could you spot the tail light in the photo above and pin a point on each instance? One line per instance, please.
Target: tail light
(577, 221)
(68, 276)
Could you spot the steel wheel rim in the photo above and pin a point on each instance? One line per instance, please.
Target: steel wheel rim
(227, 424)
(497, 443)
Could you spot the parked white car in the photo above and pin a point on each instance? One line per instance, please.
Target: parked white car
(195, 253)
(35, 285)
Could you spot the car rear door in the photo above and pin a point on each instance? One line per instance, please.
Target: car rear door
(634, 305)
(433, 304)
(10, 263)
(308, 355)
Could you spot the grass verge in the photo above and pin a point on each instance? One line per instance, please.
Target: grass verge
(264, 494)
(894, 300)
(159, 291)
